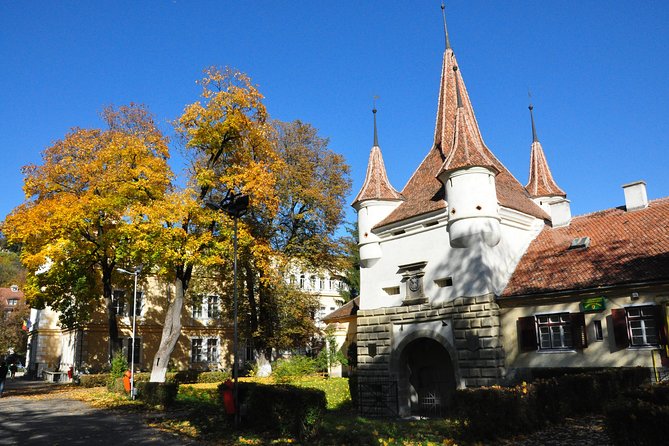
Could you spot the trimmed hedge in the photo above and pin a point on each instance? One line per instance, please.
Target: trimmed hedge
(157, 394)
(213, 377)
(283, 409)
(96, 380)
(640, 418)
(491, 411)
(637, 422)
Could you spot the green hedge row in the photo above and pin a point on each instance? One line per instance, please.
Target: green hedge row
(184, 377)
(490, 411)
(157, 394)
(640, 418)
(282, 409)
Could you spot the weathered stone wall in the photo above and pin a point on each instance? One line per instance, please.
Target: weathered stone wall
(477, 341)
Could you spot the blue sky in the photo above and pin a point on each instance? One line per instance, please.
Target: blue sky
(597, 72)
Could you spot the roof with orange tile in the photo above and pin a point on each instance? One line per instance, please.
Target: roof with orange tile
(626, 248)
(376, 185)
(424, 193)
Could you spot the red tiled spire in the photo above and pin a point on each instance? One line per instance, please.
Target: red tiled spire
(468, 148)
(376, 185)
(541, 183)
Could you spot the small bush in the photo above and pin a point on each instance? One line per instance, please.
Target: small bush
(492, 411)
(287, 370)
(119, 365)
(157, 394)
(183, 377)
(213, 377)
(283, 409)
(97, 380)
(637, 422)
(116, 386)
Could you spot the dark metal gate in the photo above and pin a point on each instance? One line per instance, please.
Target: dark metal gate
(378, 398)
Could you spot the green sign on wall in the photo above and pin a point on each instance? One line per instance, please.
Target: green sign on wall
(593, 304)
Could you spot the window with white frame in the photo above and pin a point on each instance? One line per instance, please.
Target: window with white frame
(204, 350)
(643, 328)
(554, 331)
(138, 303)
(118, 302)
(205, 307)
(12, 302)
(638, 326)
(548, 332)
(129, 350)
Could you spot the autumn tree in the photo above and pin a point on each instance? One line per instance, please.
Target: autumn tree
(311, 190)
(12, 336)
(225, 135)
(79, 204)
(12, 271)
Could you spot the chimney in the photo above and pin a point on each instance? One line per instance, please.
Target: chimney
(560, 213)
(635, 195)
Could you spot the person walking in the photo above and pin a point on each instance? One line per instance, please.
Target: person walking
(3, 376)
(12, 370)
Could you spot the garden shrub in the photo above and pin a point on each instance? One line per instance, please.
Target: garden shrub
(282, 409)
(287, 370)
(157, 394)
(182, 377)
(119, 365)
(637, 422)
(116, 386)
(213, 377)
(96, 380)
(492, 411)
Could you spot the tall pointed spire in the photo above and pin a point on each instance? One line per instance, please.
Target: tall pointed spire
(376, 137)
(534, 130)
(376, 185)
(541, 182)
(467, 149)
(443, 15)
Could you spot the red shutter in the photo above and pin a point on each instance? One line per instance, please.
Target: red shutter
(578, 333)
(527, 333)
(661, 324)
(619, 322)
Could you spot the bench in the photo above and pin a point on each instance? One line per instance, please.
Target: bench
(55, 377)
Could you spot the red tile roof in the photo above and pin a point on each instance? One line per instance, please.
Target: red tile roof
(344, 312)
(625, 248)
(423, 192)
(7, 293)
(541, 183)
(376, 185)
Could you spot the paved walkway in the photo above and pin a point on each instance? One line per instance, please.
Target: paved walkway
(56, 421)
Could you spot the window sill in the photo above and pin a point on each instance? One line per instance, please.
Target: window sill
(644, 347)
(555, 351)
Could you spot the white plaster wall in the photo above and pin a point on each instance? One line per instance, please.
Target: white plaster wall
(475, 271)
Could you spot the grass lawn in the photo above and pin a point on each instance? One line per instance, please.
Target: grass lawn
(197, 414)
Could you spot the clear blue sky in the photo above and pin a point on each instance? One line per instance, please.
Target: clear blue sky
(597, 70)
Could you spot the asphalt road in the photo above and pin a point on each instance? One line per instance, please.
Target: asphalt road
(55, 421)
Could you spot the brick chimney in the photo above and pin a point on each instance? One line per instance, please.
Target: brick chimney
(635, 195)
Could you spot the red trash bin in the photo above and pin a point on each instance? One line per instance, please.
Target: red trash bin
(229, 397)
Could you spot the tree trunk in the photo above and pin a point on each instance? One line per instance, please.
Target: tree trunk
(108, 294)
(171, 328)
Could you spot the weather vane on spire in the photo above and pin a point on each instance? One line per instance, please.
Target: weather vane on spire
(376, 138)
(531, 107)
(443, 15)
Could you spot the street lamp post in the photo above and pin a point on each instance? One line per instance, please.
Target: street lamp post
(134, 325)
(234, 205)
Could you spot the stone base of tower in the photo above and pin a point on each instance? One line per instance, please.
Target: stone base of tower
(411, 359)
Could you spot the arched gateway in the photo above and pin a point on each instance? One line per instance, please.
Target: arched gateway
(426, 370)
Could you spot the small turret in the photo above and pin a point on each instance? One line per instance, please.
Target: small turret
(375, 201)
(541, 186)
(468, 175)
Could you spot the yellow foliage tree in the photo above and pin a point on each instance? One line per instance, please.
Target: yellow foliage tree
(80, 203)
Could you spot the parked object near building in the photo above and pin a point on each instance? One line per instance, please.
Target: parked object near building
(470, 279)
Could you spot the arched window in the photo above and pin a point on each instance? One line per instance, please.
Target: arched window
(322, 283)
(292, 279)
(302, 281)
(312, 282)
